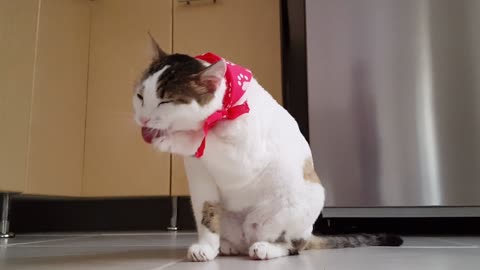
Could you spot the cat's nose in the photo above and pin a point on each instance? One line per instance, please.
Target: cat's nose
(144, 120)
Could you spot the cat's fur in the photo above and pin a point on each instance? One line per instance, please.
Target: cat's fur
(255, 190)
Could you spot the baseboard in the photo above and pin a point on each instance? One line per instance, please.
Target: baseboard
(38, 215)
(84, 215)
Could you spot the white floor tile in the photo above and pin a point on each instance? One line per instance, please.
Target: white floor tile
(158, 251)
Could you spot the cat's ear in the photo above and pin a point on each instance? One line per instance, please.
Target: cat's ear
(158, 53)
(213, 75)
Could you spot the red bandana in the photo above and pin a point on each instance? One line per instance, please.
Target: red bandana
(237, 79)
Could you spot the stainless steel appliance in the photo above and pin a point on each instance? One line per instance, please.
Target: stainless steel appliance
(394, 105)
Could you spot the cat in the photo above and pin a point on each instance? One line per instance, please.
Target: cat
(253, 185)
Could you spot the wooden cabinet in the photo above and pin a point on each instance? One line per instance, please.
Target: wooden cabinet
(43, 72)
(179, 177)
(117, 161)
(246, 32)
(67, 73)
(18, 21)
(57, 125)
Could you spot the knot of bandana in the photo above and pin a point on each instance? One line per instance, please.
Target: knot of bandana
(237, 80)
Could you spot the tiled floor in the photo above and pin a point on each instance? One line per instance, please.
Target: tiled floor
(167, 251)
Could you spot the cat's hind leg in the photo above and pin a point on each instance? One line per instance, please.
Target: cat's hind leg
(282, 246)
(276, 231)
(267, 250)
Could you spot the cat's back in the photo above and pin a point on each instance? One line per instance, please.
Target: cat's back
(265, 128)
(278, 125)
(262, 151)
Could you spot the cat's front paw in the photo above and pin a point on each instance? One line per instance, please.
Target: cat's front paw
(201, 253)
(181, 142)
(163, 144)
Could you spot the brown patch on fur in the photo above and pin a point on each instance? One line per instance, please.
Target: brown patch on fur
(211, 216)
(293, 252)
(188, 91)
(297, 246)
(180, 82)
(309, 173)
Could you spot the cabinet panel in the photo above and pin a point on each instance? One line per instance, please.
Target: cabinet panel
(117, 161)
(17, 50)
(246, 32)
(179, 178)
(56, 145)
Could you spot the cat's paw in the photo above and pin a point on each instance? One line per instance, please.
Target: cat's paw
(163, 144)
(259, 251)
(201, 253)
(180, 142)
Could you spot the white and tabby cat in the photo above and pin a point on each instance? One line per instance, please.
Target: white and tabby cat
(254, 189)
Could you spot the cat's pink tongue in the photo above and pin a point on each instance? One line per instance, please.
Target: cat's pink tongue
(149, 134)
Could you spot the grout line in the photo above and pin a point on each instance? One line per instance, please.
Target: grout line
(152, 234)
(444, 243)
(172, 29)
(172, 36)
(165, 266)
(436, 247)
(171, 179)
(46, 241)
(458, 243)
(452, 242)
(32, 97)
(162, 233)
(90, 19)
(66, 235)
(97, 246)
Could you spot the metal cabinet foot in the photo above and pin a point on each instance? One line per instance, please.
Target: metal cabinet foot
(173, 219)
(5, 224)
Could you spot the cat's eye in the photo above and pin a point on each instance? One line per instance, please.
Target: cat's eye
(140, 97)
(164, 102)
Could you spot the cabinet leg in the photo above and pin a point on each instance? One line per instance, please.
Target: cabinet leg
(5, 224)
(173, 219)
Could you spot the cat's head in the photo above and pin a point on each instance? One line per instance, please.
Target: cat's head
(177, 92)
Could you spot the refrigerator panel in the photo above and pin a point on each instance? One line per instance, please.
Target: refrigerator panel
(394, 101)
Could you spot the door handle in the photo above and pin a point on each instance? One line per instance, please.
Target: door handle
(189, 1)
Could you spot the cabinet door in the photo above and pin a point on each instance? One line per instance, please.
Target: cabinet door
(246, 32)
(17, 53)
(117, 161)
(57, 127)
(179, 178)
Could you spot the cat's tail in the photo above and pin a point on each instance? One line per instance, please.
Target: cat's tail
(353, 240)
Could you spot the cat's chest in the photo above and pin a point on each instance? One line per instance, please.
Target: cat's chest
(236, 171)
(242, 188)
(238, 157)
